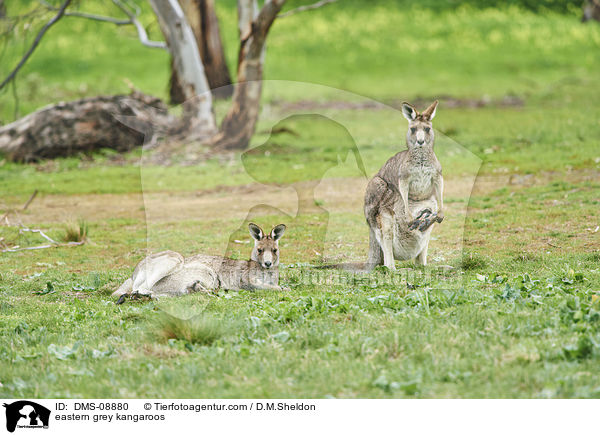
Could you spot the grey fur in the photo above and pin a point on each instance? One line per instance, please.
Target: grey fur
(405, 197)
(167, 273)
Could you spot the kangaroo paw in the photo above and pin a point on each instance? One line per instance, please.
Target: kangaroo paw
(424, 217)
(425, 213)
(426, 223)
(121, 299)
(420, 224)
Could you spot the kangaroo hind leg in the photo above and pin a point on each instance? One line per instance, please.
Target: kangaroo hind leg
(386, 224)
(375, 253)
(421, 258)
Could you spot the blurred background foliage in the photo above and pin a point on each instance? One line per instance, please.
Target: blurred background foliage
(467, 47)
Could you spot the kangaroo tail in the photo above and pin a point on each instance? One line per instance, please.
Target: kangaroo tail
(348, 267)
(375, 259)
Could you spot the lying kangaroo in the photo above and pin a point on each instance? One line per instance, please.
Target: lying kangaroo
(405, 198)
(167, 273)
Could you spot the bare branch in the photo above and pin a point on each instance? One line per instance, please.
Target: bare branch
(142, 35)
(36, 42)
(94, 17)
(306, 8)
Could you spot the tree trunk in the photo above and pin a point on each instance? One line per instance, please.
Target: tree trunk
(591, 10)
(93, 123)
(84, 125)
(197, 106)
(202, 18)
(240, 122)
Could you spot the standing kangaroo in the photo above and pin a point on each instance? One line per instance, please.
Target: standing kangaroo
(405, 198)
(167, 273)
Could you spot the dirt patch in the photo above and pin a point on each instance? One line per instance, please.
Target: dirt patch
(222, 202)
(69, 208)
(446, 100)
(233, 202)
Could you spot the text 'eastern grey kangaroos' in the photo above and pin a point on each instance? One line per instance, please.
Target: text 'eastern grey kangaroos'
(405, 198)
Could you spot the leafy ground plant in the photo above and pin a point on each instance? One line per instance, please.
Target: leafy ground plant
(514, 315)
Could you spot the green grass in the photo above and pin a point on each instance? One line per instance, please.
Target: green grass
(522, 321)
(517, 316)
(349, 46)
(492, 336)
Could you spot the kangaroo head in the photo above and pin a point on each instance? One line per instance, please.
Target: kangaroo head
(266, 246)
(420, 131)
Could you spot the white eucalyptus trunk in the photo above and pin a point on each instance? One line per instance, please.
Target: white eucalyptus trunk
(198, 107)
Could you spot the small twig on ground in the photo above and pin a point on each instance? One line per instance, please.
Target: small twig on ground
(23, 229)
(41, 233)
(305, 8)
(43, 246)
(554, 246)
(30, 200)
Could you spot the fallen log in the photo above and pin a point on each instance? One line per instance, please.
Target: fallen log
(85, 125)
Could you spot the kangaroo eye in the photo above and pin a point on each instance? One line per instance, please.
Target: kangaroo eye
(274, 251)
(260, 251)
(427, 129)
(413, 130)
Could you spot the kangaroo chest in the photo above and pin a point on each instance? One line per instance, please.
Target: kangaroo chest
(421, 182)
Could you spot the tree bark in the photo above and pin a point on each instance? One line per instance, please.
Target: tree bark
(93, 123)
(240, 122)
(197, 107)
(202, 18)
(84, 125)
(591, 10)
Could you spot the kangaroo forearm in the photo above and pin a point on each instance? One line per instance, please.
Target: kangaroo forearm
(403, 187)
(438, 191)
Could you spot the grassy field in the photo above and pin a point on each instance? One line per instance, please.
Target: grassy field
(517, 313)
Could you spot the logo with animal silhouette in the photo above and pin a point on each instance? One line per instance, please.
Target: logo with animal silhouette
(25, 414)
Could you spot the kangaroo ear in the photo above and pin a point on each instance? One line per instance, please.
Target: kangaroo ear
(255, 231)
(409, 111)
(429, 113)
(278, 231)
